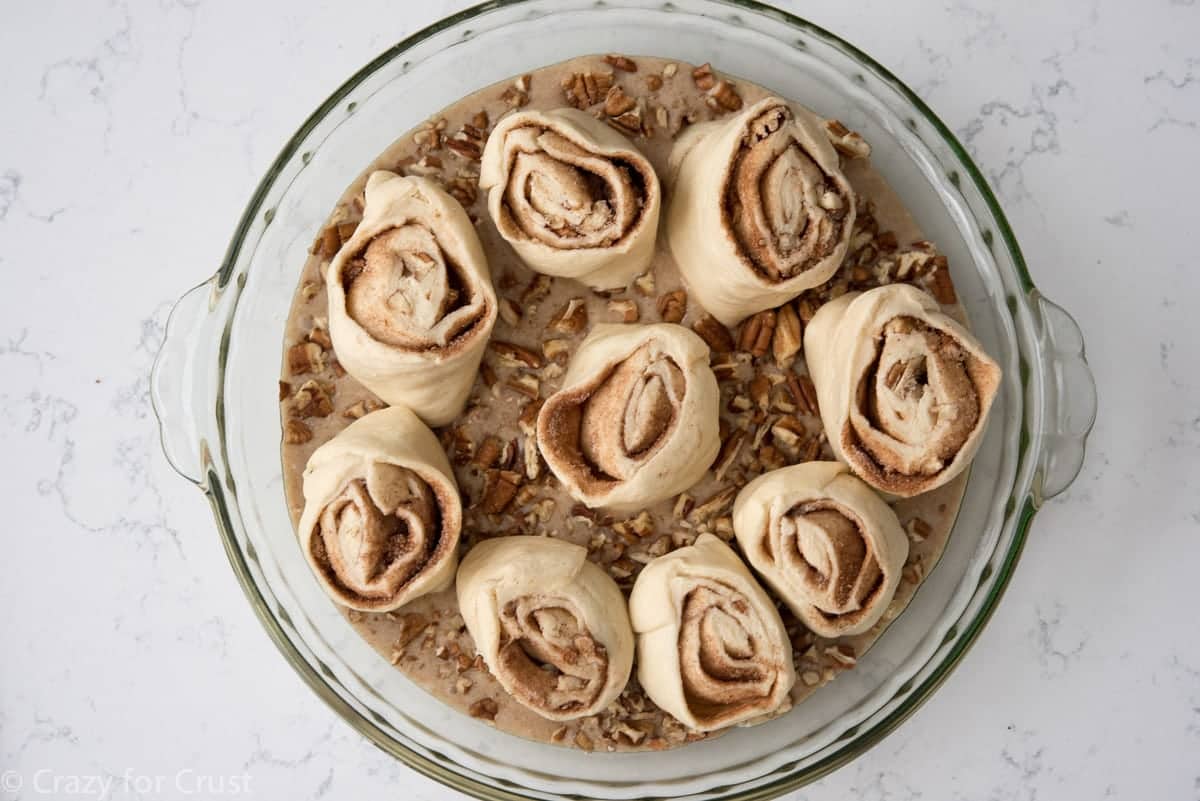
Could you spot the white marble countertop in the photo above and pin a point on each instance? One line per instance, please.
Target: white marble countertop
(133, 132)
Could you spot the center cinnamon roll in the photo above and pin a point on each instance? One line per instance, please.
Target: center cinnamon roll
(636, 419)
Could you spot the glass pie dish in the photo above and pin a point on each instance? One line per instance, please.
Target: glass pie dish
(214, 390)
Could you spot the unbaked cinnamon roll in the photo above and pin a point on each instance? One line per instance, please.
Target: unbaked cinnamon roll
(572, 196)
(552, 626)
(825, 542)
(382, 513)
(712, 649)
(636, 420)
(411, 303)
(760, 210)
(903, 389)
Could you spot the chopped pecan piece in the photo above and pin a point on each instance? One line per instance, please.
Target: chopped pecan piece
(306, 357)
(488, 452)
(723, 528)
(787, 441)
(617, 102)
(515, 355)
(571, 318)
(313, 400)
(942, 285)
(849, 143)
(626, 310)
(327, 243)
(672, 306)
(528, 419)
(513, 97)
(757, 332)
(725, 371)
(285, 389)
(918, 530)
(730, 450)
(464, 189)
(703, 77)
(585, 89)
(803, 393)
(739, 403)
(654, 83)
(683, 505)
(723, 97)
(487, 375)
(715, 505)
(458, 444)
(484, 709)
(623, 63)
(760, 391)
(771, 458)
(630, 122)
(787, 339)
(641, 526)
(556, 350)
(412, 625)
(296, 433)
(914, 571)
(843, 654)
(714, 332)
(320, 335)
(499, 488)
(525, 384)
(806, 307)
(510, 312)
(361, 409)
(538, 289)
(466, 145)
(644, 284)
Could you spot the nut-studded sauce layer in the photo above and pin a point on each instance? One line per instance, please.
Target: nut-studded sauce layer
(768, 419)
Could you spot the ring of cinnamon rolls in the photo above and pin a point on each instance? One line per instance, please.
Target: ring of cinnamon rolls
(759, 212)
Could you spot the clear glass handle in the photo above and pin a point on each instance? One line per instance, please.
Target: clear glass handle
(183, 380)
(1070, 399)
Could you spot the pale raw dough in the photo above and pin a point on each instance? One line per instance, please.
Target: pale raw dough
(384, 468)
(533, 603)
(825, 542)
(712, 649)
(540, 167)
(637, 418)
(410, 335)
(904, 390)
(795, 214)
